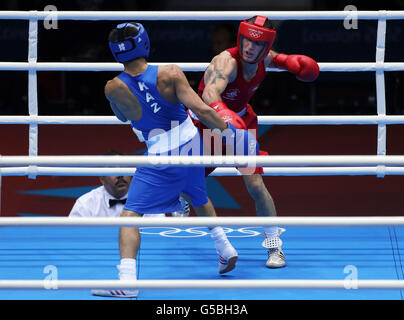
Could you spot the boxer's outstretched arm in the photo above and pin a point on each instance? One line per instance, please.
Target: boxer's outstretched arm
(187, 96)
(220, 72)
(268, 59)
(305, 68)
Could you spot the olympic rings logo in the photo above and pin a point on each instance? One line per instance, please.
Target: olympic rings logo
(173, 232)
(255, 33)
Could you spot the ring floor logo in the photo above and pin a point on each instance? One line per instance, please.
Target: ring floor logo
(174, 232)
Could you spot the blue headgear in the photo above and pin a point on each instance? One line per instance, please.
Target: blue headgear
(131, 47)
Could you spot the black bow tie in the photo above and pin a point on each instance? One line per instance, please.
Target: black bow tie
(113, 202)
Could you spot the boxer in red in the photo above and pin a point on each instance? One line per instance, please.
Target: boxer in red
(230, 81)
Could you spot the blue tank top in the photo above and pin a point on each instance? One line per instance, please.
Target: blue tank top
(160, 119)
(156, 112)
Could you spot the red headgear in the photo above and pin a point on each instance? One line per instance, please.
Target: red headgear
(255, 31)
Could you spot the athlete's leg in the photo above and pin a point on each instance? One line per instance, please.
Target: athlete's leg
(227, 254)
(265, 206)
(129, 238)
(129, 242)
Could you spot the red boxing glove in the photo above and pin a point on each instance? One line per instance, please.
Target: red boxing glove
(228, 115)
(240, 139)
(305, 68)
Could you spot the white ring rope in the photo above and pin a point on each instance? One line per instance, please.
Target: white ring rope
(204, 161)
(33, 171)
(262, 120)
(200, 15)
(202, 284)
(202, 221)
(189, 66)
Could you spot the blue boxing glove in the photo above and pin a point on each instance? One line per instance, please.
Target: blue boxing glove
(242, 141)
(236, 135)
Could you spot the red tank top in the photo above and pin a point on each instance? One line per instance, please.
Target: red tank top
(238, 93)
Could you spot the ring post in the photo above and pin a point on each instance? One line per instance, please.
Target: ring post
(380, 81)
(32, 82)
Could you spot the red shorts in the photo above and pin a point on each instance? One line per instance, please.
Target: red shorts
(251, 121)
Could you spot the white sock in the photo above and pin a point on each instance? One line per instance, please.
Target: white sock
(222, 244)
(271, 232)
(127, 269)
(217, 233)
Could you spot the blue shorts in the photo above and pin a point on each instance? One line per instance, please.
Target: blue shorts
(157, 189)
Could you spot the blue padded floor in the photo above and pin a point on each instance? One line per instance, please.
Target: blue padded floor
(173, 253)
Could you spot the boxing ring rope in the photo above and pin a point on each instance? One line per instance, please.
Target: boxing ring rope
(34, 171)
(326, 165)
(201, 221)
(199, 15)
(202, 284)
(33, 165)
(188, 66)
(204, 161)
(262, 120)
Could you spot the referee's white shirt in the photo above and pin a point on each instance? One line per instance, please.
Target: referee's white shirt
(96, 204)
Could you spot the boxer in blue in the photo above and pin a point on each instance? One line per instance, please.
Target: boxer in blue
(153, 99)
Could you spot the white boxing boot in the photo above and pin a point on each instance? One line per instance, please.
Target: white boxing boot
(227, 254)
(125, 273)
(276, 257)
